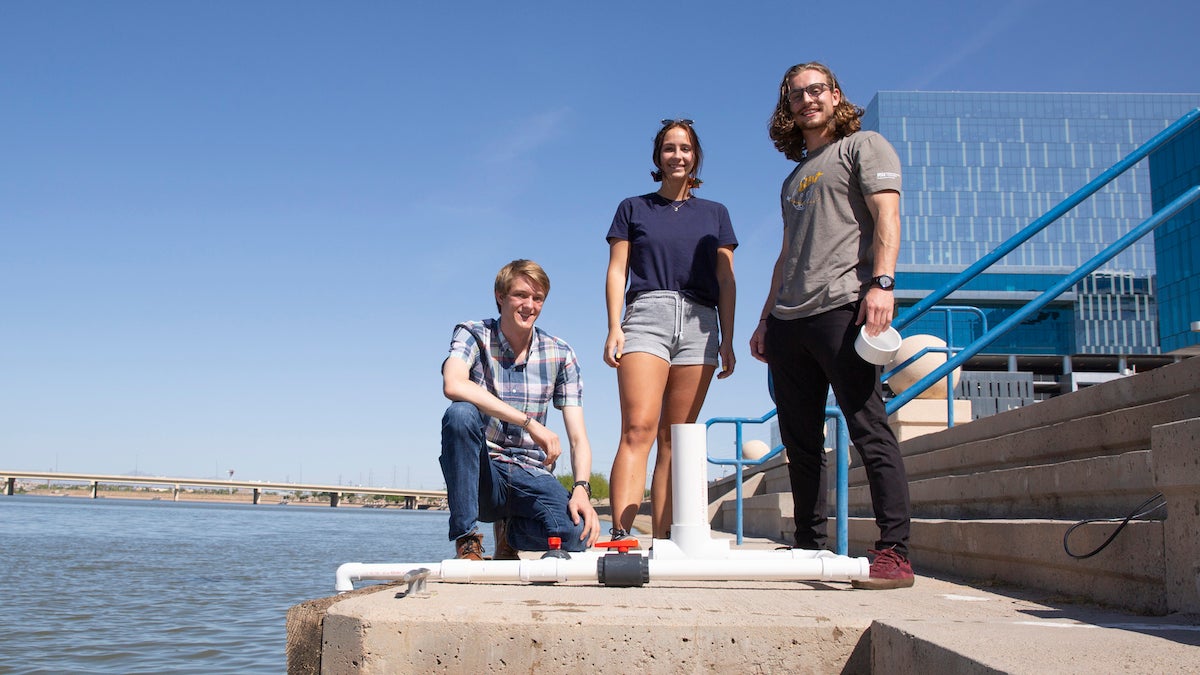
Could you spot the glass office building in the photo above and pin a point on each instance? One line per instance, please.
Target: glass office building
(979, 167)
(1174, 169)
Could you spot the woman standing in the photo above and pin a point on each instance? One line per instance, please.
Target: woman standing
(671, 265)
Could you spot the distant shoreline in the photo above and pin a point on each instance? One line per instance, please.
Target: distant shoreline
(238, 497)
(603, 509)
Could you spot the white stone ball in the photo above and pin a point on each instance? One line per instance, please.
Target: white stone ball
(754, 449)
(918, 369)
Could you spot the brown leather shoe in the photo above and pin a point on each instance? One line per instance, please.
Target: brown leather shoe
(504, 551)
(469, 547)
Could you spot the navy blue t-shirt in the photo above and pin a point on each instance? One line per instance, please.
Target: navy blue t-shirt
(673, 250)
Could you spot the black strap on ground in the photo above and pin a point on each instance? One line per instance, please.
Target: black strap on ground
(1142, 510)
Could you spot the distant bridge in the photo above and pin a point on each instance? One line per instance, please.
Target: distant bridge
(257, 487)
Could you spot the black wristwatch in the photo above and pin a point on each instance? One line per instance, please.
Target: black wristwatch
(587, 487)
(884, 281)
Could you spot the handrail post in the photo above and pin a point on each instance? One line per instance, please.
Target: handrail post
(842, 450)
(738, 473)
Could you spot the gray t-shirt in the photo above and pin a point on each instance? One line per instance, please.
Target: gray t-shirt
(828, 224)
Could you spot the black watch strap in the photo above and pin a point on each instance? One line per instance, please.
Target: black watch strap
(884, 281)
(587, 487)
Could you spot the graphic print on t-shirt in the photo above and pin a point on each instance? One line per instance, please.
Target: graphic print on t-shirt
(805, 194)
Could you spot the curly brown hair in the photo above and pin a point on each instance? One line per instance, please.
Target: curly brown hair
(783, 131)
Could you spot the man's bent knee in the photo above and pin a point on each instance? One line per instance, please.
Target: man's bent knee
(460, 414)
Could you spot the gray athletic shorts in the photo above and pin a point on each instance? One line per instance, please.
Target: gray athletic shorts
(672, 327)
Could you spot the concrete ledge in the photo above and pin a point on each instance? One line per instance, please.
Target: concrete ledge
(1095, 487)
(1177, 474)
(938, 626)
(920, 416)
(1168, 382)
(766, 516)
(1065, 643)
(727, 494)
(1128, 574)
(701, 627)
(1121, 430)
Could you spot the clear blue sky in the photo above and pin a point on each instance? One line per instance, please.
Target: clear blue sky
(236, 235)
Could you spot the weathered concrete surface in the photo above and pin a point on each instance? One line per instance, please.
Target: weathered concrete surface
(1079, 488)
(751, 627)
(1029, 554)
(517, 628)
(1177, 475)
(1084, 432)
(1176, 386)
(922, 416)
(1055, 642)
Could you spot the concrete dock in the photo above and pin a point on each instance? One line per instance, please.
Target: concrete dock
(992, 502)
(939, 625)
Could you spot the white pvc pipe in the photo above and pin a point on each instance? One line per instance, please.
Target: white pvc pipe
(583, 567)
(691, 554)
(690, 531)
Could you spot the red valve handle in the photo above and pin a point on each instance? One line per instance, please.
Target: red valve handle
(622, 545)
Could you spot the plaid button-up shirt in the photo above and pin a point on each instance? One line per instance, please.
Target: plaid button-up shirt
(549, 374)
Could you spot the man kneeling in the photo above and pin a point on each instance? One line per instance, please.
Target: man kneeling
(497, 456)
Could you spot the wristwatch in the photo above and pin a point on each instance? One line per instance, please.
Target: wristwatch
(587, 487)
(884, 281)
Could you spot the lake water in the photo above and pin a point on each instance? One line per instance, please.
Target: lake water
(129, 586)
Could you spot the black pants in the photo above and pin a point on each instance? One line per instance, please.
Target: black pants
(806, 356)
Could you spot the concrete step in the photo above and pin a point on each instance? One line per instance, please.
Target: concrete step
(1095, 487)
(1174, 381)
(1112, 418)
(1029, 553)
(1105, 433)
(768, 516)
(1129, 573)
(1149, 568)
(1058, 642)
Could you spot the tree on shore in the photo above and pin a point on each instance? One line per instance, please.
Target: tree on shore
(598, 480)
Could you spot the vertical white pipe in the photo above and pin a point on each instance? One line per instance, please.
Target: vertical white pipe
(688, 444)
(689, 468)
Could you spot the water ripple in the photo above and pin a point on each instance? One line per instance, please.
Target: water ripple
(130, 587)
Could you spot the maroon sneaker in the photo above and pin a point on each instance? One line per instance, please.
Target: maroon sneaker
(890, 570)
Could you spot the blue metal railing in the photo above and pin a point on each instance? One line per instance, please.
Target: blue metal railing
(842, 458)
(957, 357)
(1178, 204)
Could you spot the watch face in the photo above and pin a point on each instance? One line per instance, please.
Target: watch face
(885, 281)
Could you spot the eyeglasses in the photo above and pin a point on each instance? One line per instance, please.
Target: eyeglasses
(813, 90)
(678, 121)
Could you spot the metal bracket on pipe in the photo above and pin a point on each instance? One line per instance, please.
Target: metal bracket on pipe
(416, 584)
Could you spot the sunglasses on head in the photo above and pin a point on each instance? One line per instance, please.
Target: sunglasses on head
(678, 121)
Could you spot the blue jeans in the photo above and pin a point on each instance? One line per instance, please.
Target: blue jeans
(479, 488)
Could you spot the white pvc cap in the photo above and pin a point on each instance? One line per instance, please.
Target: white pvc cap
(878, 349)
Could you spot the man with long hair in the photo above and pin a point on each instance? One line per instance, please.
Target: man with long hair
(841, 238)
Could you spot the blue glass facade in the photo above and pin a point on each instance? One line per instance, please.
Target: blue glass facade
(979, 167)
(1174, 169)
